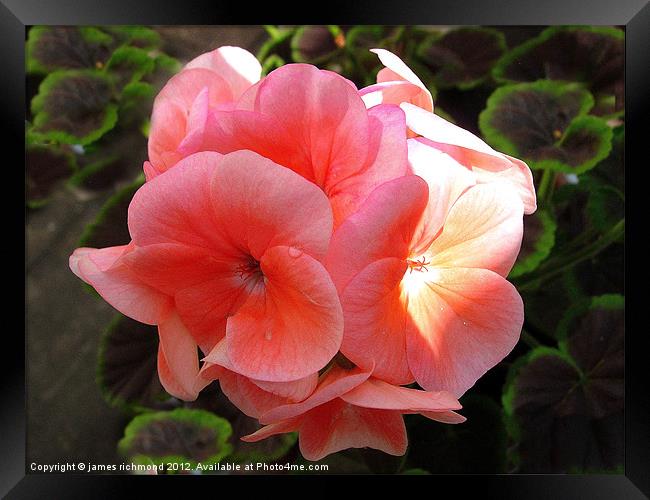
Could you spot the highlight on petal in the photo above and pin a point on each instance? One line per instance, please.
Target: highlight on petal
(484, 229)
(238, 67)
(447, 180)
(396, 83)
(464, 322)
(466, 148)
(104, 270)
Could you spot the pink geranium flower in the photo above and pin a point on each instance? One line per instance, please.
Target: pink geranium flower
(214, 80)
(315, 123)
(420, 270)
(220, 251)
(348, 409)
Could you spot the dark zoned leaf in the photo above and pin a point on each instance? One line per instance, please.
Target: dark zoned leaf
(590, 55)
(545, 123)
(45, 167)
(180, 435)
(462, 57)
(51, 48)
(314, 44)
(73, 107)
(564, 406)
(127, 369)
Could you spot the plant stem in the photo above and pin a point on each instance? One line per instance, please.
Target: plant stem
(544, 184)
(529, 340)
(581, 255)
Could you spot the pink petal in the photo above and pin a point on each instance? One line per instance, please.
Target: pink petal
(235, 65)
(206, 289)
(247, 396)
(294, 391)
(267, 431)
(315, 123)
(105, 272)
(446, 417)
(149, 171)
(466, 148)
(337, 426)
(178, 360)
(466, 321)
(196, 122)
(376, 321)
(447, 180)
(177, 207)
(483, 230)
(387, 161)
(260, 205)
(397, 70)
(333, 383)
(291, 325)
(376, 393)
(389, 92)
(169, 119)
(383, 227)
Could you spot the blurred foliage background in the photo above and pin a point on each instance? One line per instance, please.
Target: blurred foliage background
(552, 96)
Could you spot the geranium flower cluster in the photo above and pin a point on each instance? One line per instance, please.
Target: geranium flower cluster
(318, 249)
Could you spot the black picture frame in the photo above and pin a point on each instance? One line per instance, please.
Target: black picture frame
(16, 15)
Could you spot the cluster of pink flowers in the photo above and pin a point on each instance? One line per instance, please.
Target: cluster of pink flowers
(318, 248)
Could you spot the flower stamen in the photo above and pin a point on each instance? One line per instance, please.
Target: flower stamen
(418, 265)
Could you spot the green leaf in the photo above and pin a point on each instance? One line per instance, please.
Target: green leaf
(51, 48)
(476, 446)
(462, 57)
(45, 167)
(128, 65)
(181, 435)
(127, 366)
(538, 240)
(564, 406)
(73, 107)
(592, 56)
(316, 44)
(110, 226)
(544, 123)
